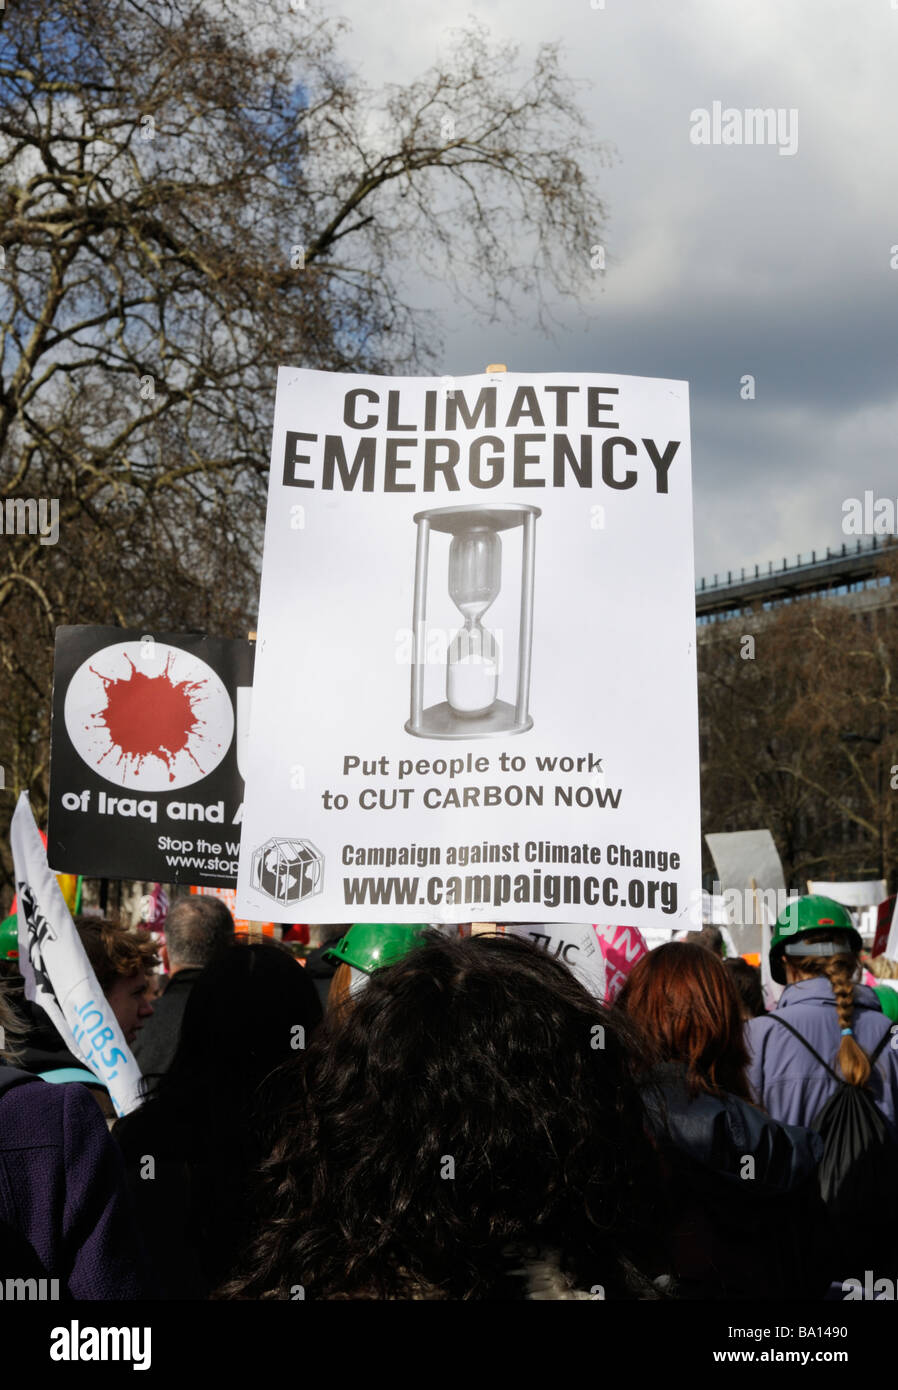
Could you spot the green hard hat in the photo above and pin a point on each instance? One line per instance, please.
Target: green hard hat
(9, 937)
(888, 1001)
(808, 914)
(369, 946)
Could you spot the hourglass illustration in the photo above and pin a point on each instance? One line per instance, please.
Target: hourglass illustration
(475, 577)
(472, 708)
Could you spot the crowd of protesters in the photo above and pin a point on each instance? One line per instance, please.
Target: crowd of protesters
(414, 1114)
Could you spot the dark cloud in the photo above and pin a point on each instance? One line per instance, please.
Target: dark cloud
(724, 261)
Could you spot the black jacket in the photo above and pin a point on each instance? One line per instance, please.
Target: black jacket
(157, 1042)
(744, 1216)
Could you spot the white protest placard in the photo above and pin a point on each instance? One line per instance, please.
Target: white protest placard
(754, 888)
(573, 943)
(475, 692)
(891, 949)
(57, 972)
(861, 893)
(743, 855)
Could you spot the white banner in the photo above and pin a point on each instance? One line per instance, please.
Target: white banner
(862, 893)
(891, 949)
(57, 973)
(475, 691)
(754, 887)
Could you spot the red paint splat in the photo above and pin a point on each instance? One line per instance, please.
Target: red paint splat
(150, 716)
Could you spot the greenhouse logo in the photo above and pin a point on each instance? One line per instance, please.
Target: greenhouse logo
(288, 870)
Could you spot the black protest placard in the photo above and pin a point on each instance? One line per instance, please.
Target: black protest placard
(147, 753)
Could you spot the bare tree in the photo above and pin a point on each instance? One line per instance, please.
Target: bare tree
(803, 737)
(191, 193)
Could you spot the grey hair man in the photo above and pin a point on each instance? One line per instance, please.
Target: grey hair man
(197, 930)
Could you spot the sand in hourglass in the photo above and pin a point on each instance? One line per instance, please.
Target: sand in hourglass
(472, 683)
(474, 661)
(472, 671)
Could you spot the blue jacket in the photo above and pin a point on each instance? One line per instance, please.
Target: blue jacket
(788, 1081)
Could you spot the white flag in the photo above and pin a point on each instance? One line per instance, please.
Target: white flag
(57, 972)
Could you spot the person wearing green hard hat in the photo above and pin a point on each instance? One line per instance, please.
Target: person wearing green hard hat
(9, 937)
(815, 952)
(888, 1001)
(366, 947)
(795, 924)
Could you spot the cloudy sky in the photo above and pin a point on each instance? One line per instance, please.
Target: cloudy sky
(723, 260)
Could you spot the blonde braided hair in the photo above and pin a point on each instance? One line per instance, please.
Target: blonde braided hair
(841, 971)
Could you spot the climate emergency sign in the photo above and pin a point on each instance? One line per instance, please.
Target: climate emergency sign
(147, 755)
(475, 686)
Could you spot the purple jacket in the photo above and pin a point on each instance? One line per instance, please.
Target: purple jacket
(788, 1081)
(62, 1189)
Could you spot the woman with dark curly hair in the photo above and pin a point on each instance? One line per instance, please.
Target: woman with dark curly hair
(469, 1129)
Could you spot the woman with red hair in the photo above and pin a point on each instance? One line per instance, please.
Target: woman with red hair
(746, 1221)
(682, 998)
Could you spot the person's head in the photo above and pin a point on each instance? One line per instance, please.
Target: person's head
(248, 1012)
(815, 937)
(198, 930)
(801, 919)
(685, 1002)
(122, 961)
(839, 963)
(888, 1001)
(364, 948)
(155, 986)
(712, 940)
(747, 979)
(340, 991)
(474, 1101)
(9, 939)
(12, 1028)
